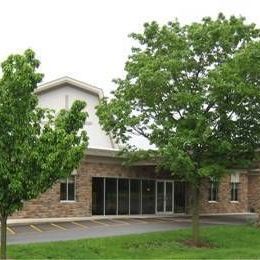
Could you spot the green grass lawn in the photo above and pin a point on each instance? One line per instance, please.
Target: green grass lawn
(229, 242)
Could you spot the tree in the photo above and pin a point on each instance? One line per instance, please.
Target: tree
(193, 92)
(37, 147)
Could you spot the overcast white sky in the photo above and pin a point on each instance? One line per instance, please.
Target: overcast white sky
(87, 39)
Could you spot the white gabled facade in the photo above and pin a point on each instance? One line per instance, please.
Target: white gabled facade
(61, 93)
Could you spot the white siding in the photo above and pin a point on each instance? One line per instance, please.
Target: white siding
(55, 98)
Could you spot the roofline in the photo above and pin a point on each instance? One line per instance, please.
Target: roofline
(102, 152)
(74, 82)
(113, 155)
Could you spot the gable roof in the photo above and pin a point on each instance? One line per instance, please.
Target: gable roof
(73, 82)
(45, 87)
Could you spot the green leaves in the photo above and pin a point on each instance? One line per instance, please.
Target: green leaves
(193, 92)
(72, 120)
(37, 147)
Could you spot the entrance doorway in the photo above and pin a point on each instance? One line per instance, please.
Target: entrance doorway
(164, 196)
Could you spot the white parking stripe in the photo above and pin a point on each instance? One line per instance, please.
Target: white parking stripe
(36, 228)
(10, 230)
(122, 222)
(58, 226)
(79, 224)
(99, 222)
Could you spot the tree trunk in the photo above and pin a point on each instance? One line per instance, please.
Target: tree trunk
(3, 236)
(195, 215)
(257, 222)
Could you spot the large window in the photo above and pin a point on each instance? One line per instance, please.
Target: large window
(68, 189)
(213, 190)
(98, 196)
(135, 196)
(148, 197)
(179, 196)
(110, 196)
(234, 187)
(123, 196)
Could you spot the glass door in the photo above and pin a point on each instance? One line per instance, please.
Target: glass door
(164, 194)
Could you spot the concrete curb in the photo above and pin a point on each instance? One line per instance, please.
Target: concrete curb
(57, 220)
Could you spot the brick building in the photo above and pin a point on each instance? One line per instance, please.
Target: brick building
(103, 186)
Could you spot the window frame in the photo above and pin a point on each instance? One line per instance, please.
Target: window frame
(73, 176)
(213, 188)
(234, 189)
(234, 192)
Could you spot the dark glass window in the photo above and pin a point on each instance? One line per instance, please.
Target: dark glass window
(97, 196)
(179, 196)
(111, 196)
(135, 196)
(168, 193)
(213, 190)
(160, 196)
(123, 196)
(63, 190)
(234, 191)
(67, 189)
(148, 196)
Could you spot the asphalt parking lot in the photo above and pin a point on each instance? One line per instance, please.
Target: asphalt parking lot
(56, 231)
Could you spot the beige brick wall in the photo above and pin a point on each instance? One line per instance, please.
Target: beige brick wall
(49, 205)
(254, 193)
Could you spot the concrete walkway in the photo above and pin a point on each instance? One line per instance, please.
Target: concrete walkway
(33, 232)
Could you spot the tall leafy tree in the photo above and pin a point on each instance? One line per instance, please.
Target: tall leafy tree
(193, 91)
(37, 146)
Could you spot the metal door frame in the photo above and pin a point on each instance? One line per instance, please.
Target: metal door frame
(164, 197)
